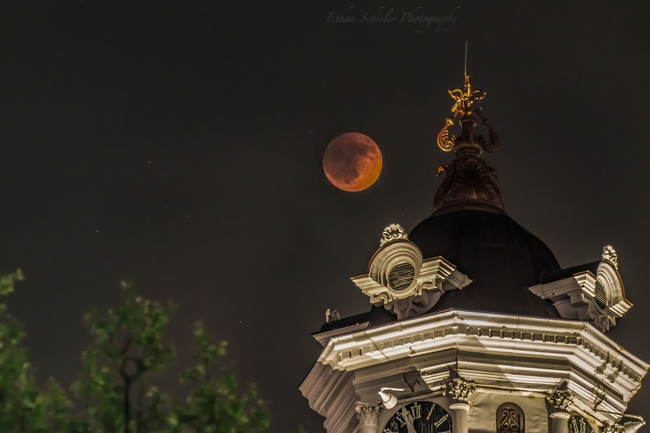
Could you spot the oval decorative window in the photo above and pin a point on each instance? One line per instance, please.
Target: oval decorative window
(401, 276)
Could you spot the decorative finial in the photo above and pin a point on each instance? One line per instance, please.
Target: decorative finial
(392, 233)
(609, 255)
(464, 110)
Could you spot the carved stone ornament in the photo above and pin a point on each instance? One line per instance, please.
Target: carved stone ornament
(367, 413)
(459, 389)
(560, 399)
(392, 233)
(609, 255)
(415, 305)
(613, 428)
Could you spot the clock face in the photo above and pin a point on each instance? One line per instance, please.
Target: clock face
(578, 424)
(419, 417)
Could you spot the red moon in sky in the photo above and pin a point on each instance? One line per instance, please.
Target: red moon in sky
(352, 162)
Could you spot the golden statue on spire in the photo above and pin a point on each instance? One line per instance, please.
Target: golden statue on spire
(465, 98)
(462, 109)
(468, 180)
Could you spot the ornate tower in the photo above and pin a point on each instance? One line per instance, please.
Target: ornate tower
(474, 327)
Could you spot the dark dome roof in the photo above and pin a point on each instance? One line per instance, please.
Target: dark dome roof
(502, 258)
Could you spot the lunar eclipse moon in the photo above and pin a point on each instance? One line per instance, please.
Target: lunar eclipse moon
(352, 162)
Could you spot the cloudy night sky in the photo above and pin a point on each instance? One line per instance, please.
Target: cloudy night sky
(179, 144)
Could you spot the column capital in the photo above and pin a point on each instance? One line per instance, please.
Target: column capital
(367, 413)
(560, 399)
(459, 389)
(560, 415)
(613, 428)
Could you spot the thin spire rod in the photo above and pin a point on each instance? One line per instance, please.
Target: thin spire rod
(465, 57)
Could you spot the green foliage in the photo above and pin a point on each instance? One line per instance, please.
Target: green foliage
(128, 346)
(7, 282)
(57, 408)
(23, 406)
(214, 405)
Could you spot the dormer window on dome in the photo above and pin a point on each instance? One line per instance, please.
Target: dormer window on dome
(402, 281)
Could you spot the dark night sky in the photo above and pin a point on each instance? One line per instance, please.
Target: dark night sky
(179, 144)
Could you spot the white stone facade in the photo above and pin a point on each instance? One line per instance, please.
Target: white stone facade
(506, 359)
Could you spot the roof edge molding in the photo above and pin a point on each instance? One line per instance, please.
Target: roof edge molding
(518, 353)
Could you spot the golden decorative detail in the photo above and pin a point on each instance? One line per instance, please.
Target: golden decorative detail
(463, 107)
(443, 140)
(465, 99)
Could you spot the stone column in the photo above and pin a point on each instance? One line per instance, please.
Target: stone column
(560, 422)
(459, 390)
(368, 414)
(559, 400)
(459, 417)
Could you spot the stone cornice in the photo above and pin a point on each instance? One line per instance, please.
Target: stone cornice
(417, 335)
(535, 354)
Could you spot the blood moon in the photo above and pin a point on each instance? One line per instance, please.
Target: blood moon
(352, 162)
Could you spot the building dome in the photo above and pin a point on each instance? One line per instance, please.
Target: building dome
(502, 258)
